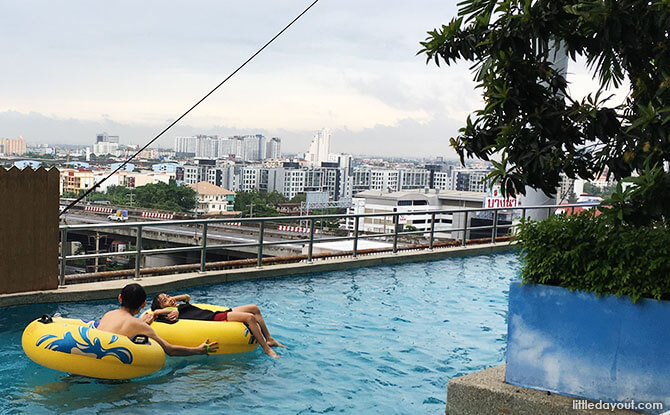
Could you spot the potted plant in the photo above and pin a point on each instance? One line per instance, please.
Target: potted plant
(591, 318)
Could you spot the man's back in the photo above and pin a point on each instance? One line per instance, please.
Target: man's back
(121, 322)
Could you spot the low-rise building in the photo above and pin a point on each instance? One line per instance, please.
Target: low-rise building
(213, 199)
(75, 180)
(373, 201)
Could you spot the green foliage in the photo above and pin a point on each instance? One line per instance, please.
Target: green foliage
(34, 155)
(299, 198)
(584, 252)
(257, 203)
(116, 195)
(644, 203)
(529, 121)
(151, 196)
(166, 197)
(594, 190)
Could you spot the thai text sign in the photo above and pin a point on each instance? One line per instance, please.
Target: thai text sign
(495, 199)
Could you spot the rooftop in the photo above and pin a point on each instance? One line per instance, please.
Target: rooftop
(422, 194)
(206, 188)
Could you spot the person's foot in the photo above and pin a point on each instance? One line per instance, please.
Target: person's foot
(274, 343)
(271, 353)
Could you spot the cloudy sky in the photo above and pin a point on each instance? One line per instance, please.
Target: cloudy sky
(73, 69)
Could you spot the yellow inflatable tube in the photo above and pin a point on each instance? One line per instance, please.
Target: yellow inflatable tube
(232, 336)
(74, 346)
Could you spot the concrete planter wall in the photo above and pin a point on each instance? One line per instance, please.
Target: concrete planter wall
(576, 344)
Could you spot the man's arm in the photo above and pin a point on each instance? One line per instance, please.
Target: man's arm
(173, 349)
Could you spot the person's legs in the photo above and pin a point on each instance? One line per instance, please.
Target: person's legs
(252, 323)
(253, 309)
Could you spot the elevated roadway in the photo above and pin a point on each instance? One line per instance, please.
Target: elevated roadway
(185, 235)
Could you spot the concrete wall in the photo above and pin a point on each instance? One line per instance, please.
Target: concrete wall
(28, 230)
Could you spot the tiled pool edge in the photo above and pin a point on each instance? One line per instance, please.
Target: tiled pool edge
(110, 289)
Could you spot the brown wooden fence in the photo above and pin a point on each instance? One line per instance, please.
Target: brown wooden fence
(28, 229)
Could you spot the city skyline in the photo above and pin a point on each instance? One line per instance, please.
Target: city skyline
(345, 66)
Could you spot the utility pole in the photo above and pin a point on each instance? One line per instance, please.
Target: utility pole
(302, 206)
(251, 210)
(97, 251)
(196, 200)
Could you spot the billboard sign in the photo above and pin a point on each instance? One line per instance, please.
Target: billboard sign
(316, 198)
(495, 199)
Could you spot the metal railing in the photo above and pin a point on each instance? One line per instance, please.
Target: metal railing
(203, 247)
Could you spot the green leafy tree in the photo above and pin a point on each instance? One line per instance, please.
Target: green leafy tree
(594, 190)
(532, 124)
(275, 198)
(257, 203)
(299, 198)
(166, 196)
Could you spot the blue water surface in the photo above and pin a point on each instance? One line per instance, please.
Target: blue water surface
(382, 340)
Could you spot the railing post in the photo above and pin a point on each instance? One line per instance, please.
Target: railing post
(63, 254)
(203, 252)
(396, 225)
(523, 214)
(261, 233)
(432, 231)
(311, 240)
(494, 229)
(356, 236)
(138, 256)
(465, 227)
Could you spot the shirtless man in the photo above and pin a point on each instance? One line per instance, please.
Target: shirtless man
(123, 321)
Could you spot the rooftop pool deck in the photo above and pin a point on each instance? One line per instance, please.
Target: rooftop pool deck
(378, 340)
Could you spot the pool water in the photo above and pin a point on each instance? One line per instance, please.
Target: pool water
(382, 340)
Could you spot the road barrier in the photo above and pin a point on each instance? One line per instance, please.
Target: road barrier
(99, 209)
(296, 229)
(157, 215)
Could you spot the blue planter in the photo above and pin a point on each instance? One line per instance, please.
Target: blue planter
(576, 344)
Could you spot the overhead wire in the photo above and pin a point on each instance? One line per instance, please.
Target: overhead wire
(96, 185)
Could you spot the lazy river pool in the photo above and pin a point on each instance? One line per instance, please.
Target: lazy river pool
(381, 340)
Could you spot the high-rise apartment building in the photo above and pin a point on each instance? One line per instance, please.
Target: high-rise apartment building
(411, 179)
(204, 146)
(186, 146)
(208, 147)
(255, 147)
(248, 148)
(106, 147)
(345, 161)
(319, 149)
(106, 138)
(385, 180)
(470, 180)
(274, 148)
(12, 147)
(442, 180)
